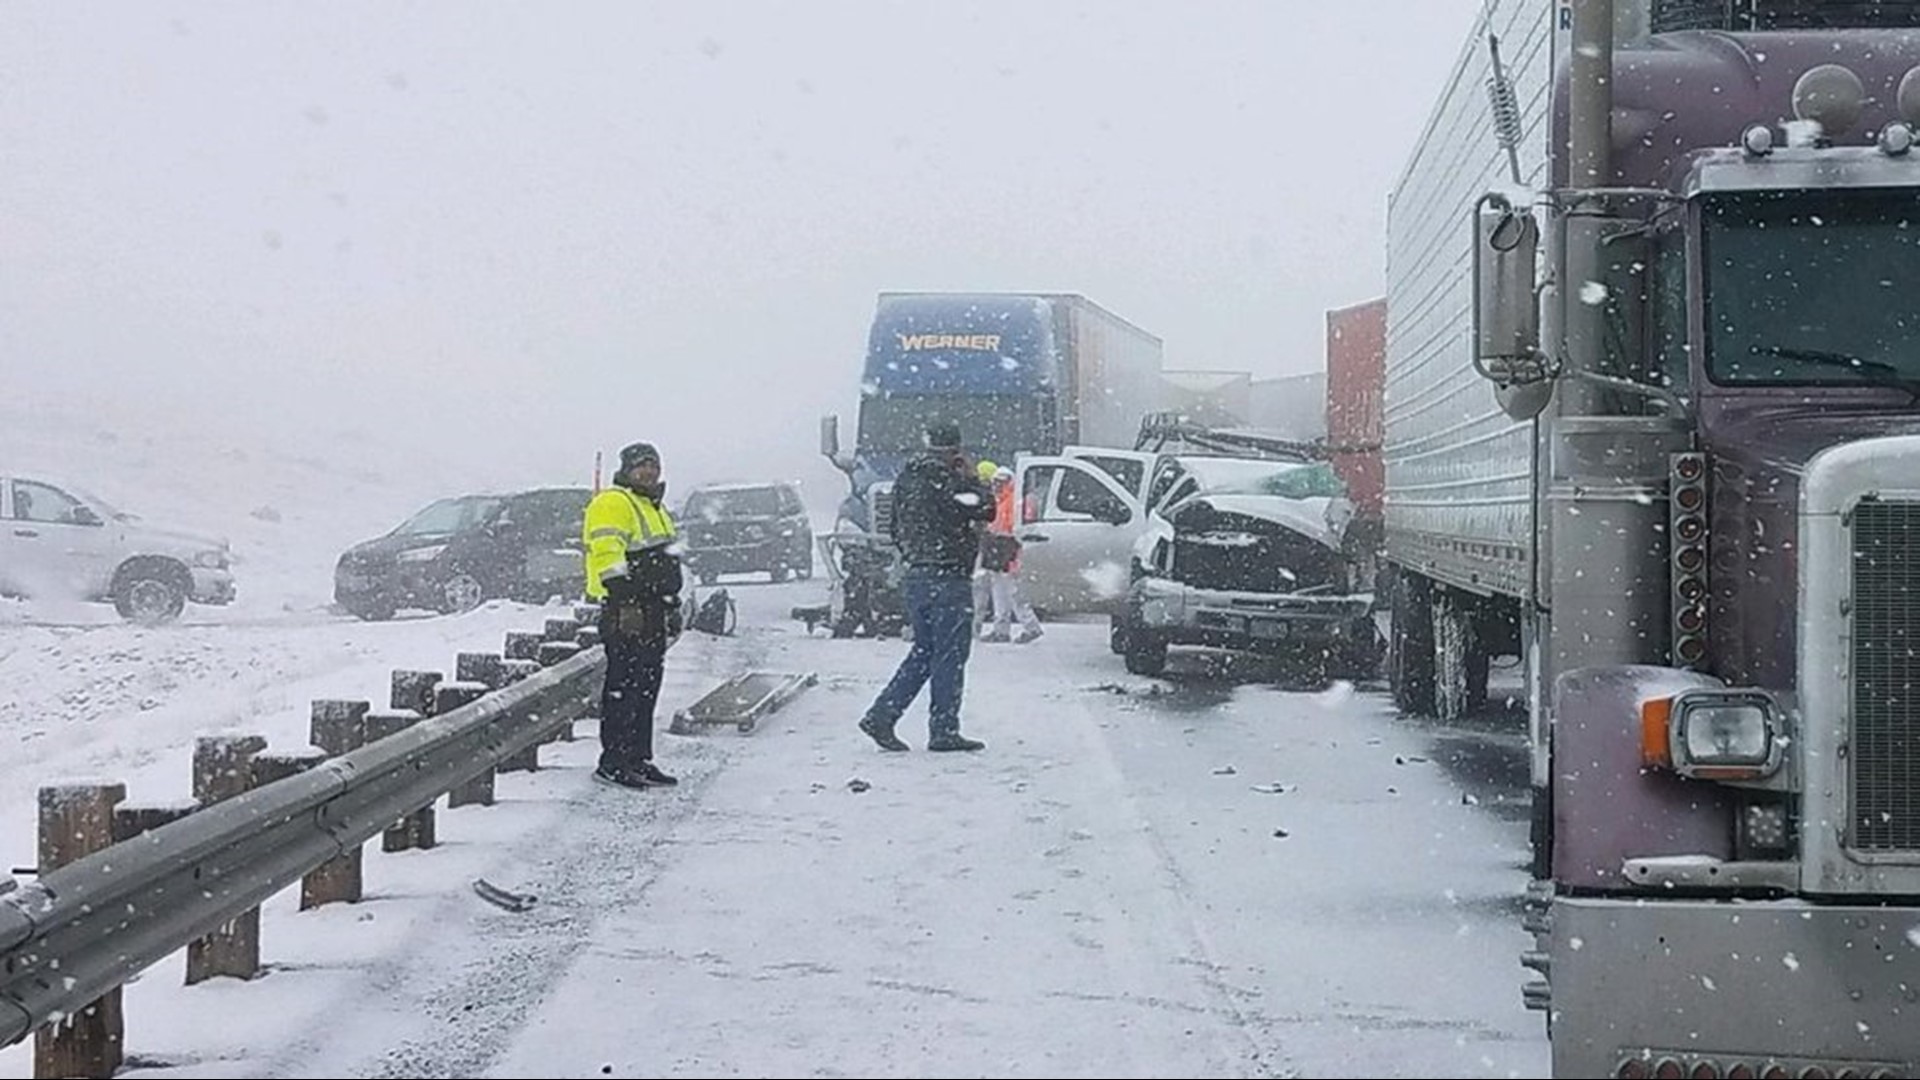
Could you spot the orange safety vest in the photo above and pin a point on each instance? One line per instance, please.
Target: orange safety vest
(1003, 510)
(1002, 523)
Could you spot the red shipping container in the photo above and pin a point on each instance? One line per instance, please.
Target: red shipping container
(1356, 387)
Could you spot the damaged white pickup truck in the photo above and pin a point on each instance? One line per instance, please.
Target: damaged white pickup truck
(1258, 565)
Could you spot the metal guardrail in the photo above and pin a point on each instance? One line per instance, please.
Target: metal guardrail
(85, 928)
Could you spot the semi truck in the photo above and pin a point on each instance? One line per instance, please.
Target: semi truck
(1652, 370)
(1021, 373)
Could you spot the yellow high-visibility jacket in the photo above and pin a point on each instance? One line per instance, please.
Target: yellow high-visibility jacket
(618, 521)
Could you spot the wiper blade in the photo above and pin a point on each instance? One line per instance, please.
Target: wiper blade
(1873, 372)
(1827, 358)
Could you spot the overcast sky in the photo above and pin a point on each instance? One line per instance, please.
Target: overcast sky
(530, 231)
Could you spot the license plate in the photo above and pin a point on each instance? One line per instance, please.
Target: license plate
(1268, 628)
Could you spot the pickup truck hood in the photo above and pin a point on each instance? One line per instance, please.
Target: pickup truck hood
(1323, 520)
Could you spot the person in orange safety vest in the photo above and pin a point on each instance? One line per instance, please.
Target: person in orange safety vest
(1000, 562)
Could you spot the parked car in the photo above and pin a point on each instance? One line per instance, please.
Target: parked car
(62, 541)
(458, 552)
(1252, 565)
(746, 528)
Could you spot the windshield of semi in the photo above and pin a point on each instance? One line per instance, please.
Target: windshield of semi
(991, 428)
(1806, 289)
(447, 516)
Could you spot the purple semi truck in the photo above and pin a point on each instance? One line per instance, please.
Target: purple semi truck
(1652, 424)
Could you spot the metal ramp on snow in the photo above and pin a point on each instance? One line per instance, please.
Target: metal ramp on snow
(741, 701)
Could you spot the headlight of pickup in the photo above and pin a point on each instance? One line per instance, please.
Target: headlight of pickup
(212, 559)
(422, 554)
(1714, 734)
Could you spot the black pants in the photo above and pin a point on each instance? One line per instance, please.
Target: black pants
(635, 664)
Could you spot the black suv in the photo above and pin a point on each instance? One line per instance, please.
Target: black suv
(457, 553)
(746, 528)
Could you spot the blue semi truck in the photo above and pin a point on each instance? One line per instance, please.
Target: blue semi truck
(1021, 373)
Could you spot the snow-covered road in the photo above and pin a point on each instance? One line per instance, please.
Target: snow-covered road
(1138, 877)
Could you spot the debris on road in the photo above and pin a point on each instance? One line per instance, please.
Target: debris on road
(506, 899)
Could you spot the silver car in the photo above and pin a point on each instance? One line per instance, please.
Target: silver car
(57, 540)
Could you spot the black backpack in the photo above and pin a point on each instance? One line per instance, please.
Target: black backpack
(716, 615)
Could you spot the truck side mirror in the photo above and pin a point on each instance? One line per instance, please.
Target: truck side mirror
(1506, 313)
(830, 437)
(830, 443)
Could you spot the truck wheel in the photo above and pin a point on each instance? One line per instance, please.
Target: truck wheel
(151, 591)
(1410, 645)
(1460, 660)
(1146, 653)
(1117, 635)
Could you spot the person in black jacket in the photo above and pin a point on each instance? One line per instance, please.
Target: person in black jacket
(939, 507)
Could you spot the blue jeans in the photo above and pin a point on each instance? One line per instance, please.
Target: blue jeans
(940, 608)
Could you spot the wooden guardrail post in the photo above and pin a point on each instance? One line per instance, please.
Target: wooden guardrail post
(271, 765)
(523, 644)
(486, 668)
(337, 727)
(557, 652)
(446, 698)
(223, 768)
(496, 671)
(76, 821)
(413, 691)
(415, 831)
(515, 670)
(132, 821)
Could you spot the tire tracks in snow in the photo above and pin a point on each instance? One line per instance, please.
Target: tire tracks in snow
(1263, 1054)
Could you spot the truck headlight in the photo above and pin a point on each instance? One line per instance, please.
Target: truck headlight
(421, 554)
(211, 559)
(1714, 734)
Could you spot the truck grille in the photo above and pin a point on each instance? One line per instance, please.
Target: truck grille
(1886, 676)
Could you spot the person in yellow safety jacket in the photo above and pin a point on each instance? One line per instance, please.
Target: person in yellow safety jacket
(633, 573)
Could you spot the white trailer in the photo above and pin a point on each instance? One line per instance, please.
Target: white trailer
(1458, 504)
(1113, 368)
